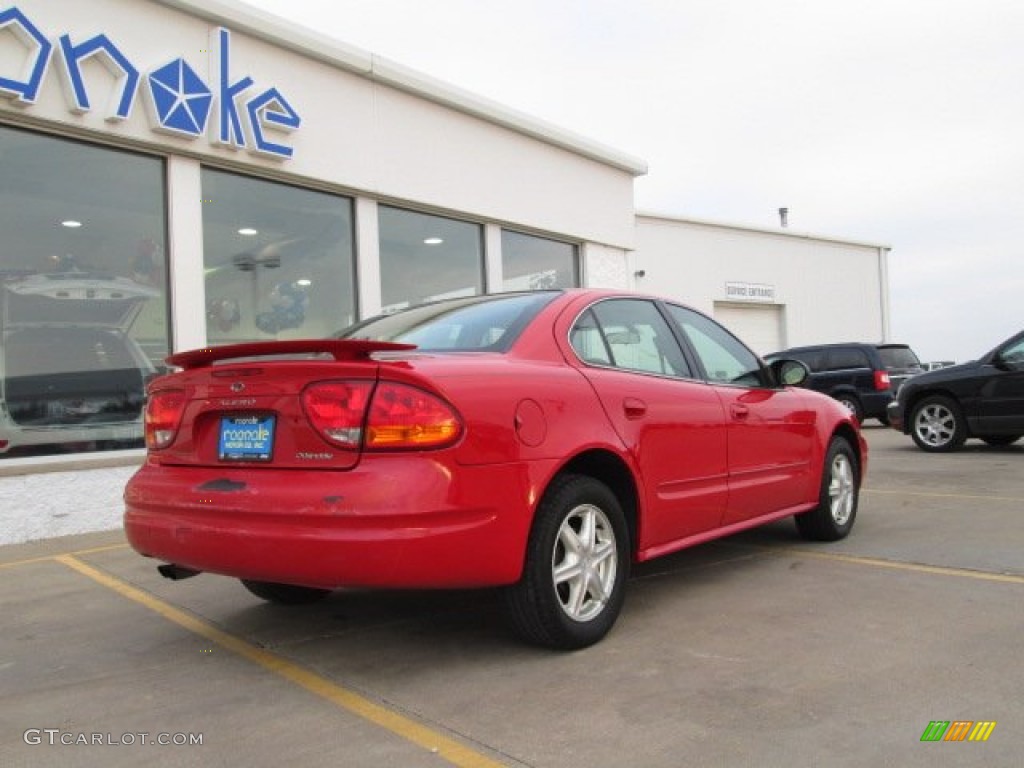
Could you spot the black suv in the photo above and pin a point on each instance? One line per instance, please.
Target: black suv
(983, 398)
(863, 377)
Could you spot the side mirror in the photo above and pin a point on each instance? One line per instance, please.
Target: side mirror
(790, 373)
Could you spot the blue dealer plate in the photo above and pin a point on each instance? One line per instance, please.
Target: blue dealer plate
(246, 438)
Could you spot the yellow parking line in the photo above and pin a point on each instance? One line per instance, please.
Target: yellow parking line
(1006, 578)
(51, 558)
(929, 495)
(447, 748)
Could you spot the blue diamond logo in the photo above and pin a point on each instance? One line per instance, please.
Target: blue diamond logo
(181, 99)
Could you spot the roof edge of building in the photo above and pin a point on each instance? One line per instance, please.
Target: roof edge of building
(311, 44)
(781, 231)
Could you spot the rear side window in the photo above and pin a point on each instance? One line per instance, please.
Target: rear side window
(476, 324)
(898, 357)
(630, 334)
(813, 359)
(847, 357)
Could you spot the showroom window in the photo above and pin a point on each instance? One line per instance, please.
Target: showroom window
(531, 263)
(425, 258)
(278, 260)
(83, 297)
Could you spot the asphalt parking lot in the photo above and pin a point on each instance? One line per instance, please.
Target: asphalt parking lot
(760, 649)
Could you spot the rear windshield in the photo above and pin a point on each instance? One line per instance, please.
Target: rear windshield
(48, 351)
(476, 324)
(898, 357)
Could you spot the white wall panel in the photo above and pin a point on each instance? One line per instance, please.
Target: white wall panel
(358, 133)
(829, 290)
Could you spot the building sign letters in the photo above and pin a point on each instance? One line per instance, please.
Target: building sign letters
(179, 102)
(749, 292)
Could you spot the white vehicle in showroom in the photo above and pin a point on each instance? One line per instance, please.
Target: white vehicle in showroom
(69, 372)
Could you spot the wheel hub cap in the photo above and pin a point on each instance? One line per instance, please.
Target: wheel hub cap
(935, 425)
(841, 490)
(584, 563)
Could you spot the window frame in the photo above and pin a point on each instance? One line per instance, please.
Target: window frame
(686, 357)
(576, 268)
(349, 275)
(764, 377)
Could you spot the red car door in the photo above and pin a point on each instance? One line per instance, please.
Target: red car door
(770, 439)
(771, 433)
(673, 425)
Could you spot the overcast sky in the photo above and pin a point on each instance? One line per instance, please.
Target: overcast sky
(897, 122)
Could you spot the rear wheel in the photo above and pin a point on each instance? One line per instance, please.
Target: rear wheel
(577, 559)
(852, 404)
(937, 424)
(285, 594)
(833, 518)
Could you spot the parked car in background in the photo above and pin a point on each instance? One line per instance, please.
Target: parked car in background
(983, 398)
(863, 377)
(541, 442)
(935, 365)
(69, 372)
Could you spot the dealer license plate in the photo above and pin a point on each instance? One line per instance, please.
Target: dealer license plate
(246, 438)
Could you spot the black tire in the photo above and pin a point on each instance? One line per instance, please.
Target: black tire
(833, 518)
(937, 424)
(852, 404)
(579, 609)
(285, 594)
(1000, 440)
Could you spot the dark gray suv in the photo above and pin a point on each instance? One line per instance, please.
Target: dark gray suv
(863, 377)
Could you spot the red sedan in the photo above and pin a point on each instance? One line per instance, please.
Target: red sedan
(538, 441)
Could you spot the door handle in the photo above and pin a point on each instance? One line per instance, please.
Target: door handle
(634, 408)
(739, 411)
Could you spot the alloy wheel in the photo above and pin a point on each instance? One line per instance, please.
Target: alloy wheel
(935, 424)
(842, 489)
(584, 562)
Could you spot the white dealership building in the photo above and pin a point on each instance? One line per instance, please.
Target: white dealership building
(222, 175)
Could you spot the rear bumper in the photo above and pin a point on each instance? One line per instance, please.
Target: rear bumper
(875, 403)
(896, 418)
(397, 522)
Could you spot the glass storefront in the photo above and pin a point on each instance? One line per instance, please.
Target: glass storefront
(278, 259)
(83, 297)
(426, 258)
(84, 309)
(531, 263)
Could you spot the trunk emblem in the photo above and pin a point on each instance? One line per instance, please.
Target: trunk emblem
(237, 386)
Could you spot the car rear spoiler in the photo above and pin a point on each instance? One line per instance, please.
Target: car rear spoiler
(339, 349)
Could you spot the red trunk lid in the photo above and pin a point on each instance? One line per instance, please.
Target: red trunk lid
(243, 403)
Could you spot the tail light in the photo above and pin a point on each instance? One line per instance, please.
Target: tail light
(163, 417)
(881, 380)
(406, 417)
(336, 409)
(393, 416)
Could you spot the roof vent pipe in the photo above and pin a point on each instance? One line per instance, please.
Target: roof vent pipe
(784, 216)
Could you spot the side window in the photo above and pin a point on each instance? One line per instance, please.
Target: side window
(629, 334)
(813, 359)
(843, 358)
(725, 359)
(588, 341)
(1013, 355)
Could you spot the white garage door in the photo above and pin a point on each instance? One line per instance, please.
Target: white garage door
(759, 326)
